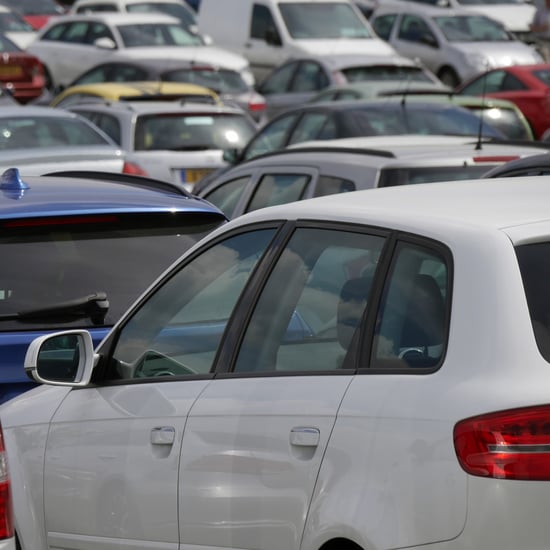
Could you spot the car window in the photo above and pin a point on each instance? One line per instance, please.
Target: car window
(506, 120)
(329, 185)
(109, 124)
(149, 34)
(385, 72)
(55, 32)
(273, 136)
(178, 330)
(543, 75)
(221, 80)
(227, 195)
(70, 254)
(75, 32)
(113, 73)
(279, 81)
(390, 176)
(261, 22)
(97, 31)
(312, 304)
(471, 28)
(273, 189)
(411, 327)
(413, 28)
(383, 25)
(314, 126)
(310, 77)
(97, 8)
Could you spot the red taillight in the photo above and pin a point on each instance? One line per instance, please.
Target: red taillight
(134, 169)
(256, 106)
(513, 444)
(6, 510)
(495, 158)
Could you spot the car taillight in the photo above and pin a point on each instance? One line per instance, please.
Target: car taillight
(255, 105)
(6, 510)
(134, 169)
(512, 444)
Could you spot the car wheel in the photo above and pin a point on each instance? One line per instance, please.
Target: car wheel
(448, 76)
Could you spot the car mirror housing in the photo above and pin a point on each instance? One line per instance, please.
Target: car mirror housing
(105, 43)
(62, 359)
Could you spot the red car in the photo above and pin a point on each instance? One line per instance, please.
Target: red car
(528, 86)
(21, 73)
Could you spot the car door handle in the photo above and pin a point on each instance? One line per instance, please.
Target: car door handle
(163, 435)
(304, 436)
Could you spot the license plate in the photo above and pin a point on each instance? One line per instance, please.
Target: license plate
(192, 175)
(10, 70)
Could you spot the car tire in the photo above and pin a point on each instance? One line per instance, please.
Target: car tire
(449, 77)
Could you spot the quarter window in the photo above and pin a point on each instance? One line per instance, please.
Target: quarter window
(273, 189)
(227, 195)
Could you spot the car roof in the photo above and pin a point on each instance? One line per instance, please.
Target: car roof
(61, 195)
(116, 18)
(428, 209)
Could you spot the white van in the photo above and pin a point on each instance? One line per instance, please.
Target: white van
(267, 32)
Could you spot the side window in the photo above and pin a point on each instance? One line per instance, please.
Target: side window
(76, 32)
(273, 189)
(311, 126)
(110, 125)
(310, 77)
(383, 25)
(97, 31)
(274, 136)
(330, 185)
(226, 196)
(178, 330)
(490, 83)
(261, 22)
(412, 28)
(279, 81)
(56, 32)
(313, 303)
(411, 328)
(512, 84)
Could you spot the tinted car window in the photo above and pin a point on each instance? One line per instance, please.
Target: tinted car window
(226, 195)
(119, 254)
(178, 330)
(425, 174)
(273, 189)
(383, 25)
(274, 137)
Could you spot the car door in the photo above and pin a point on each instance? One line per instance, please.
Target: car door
(255, 438)
(113, 450)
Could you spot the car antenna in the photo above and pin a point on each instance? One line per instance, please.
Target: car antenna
(481, 117)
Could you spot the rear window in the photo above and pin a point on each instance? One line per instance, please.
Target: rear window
(50, 261)
(425, 174)
(385, 72)
(534, 263)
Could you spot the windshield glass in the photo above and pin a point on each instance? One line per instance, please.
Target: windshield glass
(308, 20)
(188, 132)
(385, 72)
(390, 177)
(471, 28)
(46, 263)
(157, 34)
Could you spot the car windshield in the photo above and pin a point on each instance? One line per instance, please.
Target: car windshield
(192, 132)
(174, 9)
(385, 72)
(505, 120)
(471, 28)
(157, 34)
(10, 22)
(390, 177)
(70, 255)
(220, 80)
(27, 132)
(309, 20)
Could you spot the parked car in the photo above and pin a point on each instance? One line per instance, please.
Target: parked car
(14, 27)
(376, 117)
(135, 91)
(527, 86)
(309, 376)
(228, 84)
(72, 44)
(314, 169)
(21, 73)
(40, 139)
(515, 15)
(455, 44)
(57, 232)
(176, 8)
(268, 33)
(36, 12)
(180, 143)
(499, 113)
(297, 80)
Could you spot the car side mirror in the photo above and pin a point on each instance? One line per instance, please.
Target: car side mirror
(105, 43)
(272, 36)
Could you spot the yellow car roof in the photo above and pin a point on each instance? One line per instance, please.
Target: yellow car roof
(116, 91)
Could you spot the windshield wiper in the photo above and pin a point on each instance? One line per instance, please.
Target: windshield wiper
(94, 306)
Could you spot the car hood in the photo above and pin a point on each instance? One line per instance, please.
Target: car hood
(515, 18)
(201, 54)
(500, 54)
(367, 46)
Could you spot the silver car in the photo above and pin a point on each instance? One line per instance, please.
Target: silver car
(455, 44)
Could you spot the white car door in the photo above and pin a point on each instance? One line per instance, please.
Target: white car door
(113, 451)
(256, 437)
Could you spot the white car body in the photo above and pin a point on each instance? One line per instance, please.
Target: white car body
(67, 60)
(310, 459)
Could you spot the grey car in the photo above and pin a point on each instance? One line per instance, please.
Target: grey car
(455, 44)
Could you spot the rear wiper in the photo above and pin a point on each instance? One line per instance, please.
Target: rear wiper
(94, 306)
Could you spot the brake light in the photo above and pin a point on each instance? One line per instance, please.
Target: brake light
(513, 444)
(6, 509)
(256, 105)
(495, 158)
(134, 169)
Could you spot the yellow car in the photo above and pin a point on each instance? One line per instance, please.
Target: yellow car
(135, 91)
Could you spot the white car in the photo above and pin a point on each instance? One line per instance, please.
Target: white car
(455, 44)
(362, 371)
(71, 44)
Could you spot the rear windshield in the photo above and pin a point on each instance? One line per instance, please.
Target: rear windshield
(385, 72)
(46, 262)
(390, 177)
(534, 263)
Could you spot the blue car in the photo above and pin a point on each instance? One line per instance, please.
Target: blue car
(78, 248)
